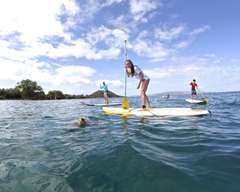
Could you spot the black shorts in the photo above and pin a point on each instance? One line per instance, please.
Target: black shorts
(194, 92)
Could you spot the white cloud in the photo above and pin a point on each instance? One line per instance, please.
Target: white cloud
(34, 21)
(200, 30)
(168, 34)
(28, 22)
(153, 50)
(139, 12)
(28, 28)
(210, 55)
(112, 37)
(183, 44)
(39, 20)
(139, 8)
(156, 73)
(83, 71)
(191, 37)
(110, 2)
(32, 18)
(90, 8)
(165, 71)
(39, 71)
(88, 47)
(71, 75)
(161, 46)
(113, 83)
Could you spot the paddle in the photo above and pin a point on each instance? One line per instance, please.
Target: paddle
(204, 98)
(125, 99)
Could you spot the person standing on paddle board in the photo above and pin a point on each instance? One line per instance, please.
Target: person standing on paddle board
(194, 87)
(134, 71)
(104, 88)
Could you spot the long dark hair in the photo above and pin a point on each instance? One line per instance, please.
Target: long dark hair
(132, 68)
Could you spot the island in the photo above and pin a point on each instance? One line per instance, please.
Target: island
(30, 90)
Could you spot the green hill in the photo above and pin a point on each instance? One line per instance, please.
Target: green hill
(99, 94)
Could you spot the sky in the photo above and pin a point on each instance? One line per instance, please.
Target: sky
(74, 45)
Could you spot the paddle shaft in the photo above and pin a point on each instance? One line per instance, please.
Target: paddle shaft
(125, 84)
(201, 93)
(125, 99)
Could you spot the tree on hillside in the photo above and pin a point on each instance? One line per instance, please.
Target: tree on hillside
(55, 95)
(10, 93)
(2, 94)
(30, 90)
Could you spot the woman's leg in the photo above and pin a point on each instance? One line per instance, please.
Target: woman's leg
(194, 94)
(144, 97)
(106, 97)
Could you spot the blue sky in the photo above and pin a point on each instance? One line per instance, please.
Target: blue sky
(74, 45)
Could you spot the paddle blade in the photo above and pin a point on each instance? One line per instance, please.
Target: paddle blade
(125, 103)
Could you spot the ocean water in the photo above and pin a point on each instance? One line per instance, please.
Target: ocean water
(43, 149)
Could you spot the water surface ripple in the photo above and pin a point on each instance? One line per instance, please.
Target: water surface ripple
(43, 149)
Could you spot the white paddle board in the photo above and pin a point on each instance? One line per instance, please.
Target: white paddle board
(197, 101)
(155, 111)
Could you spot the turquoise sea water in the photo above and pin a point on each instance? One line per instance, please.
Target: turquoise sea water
(42, 148)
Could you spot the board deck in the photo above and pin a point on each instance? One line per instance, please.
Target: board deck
(197, 101)
(102, 104)
(155, 111)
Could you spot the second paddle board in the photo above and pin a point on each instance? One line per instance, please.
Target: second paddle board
(197, 101)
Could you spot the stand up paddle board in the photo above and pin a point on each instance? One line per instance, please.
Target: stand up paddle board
(197, 101)
(155, 111)
(102, 104)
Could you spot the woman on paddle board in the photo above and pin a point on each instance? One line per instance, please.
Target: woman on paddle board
(104, 88)
(194, 86)
(134, 71)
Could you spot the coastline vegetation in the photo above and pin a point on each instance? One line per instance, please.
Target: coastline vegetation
(30, 90)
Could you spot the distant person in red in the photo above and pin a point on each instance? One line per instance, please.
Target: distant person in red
(194, 87)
